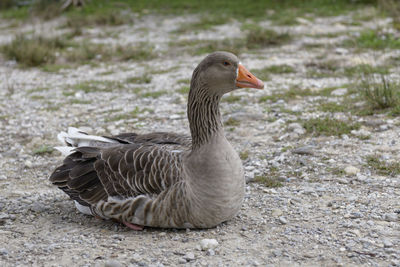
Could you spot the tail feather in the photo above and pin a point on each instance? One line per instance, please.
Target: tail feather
(76, 138)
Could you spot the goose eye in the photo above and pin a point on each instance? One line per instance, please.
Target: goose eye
(226, 63)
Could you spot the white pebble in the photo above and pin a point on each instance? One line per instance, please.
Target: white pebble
(206, 244)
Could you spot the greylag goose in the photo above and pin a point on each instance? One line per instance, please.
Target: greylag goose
(163, 179)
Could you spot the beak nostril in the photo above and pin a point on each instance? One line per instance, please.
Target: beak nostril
(248, 75)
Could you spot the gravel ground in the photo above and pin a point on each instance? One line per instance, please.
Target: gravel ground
(332, 210)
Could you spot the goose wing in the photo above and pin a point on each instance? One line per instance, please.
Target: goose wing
(91, 174)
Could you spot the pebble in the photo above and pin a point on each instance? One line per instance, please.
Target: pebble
(296, 128)
(3, 251)
(387, 243)
(361, 133)
(189, 256)
(28, 164)
(356, 215)
(112, 263)
(391, 217)
(276, 212)
(304, 150)
(339, 92)
(206, 244)
(351, 170)
(282, 220)
(210, 252)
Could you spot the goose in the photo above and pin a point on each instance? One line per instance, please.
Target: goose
(162, 179)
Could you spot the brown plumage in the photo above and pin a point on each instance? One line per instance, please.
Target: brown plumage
(163, 179)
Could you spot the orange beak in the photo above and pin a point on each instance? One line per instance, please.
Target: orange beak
(247, 80)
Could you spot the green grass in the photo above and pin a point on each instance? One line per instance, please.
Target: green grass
(292, 93)
(155, 94)
(363, 69)
(264, 73)
(205, 23)
(139, 79)
(322, 69)
(40, 51)
(270, 178)
(76, 20)
(244, 155)
(105, 12)
(333, 107)
(80, 102)
(258, 37)
(232, 122)
(231, 98)
(380, 95)
(31, 52)
(129, 115)
(184, 90)
(200, 47)
(97, 86)
(381, 167)
(54, 68)
(42, 150)
(267, 181)
(37, 97)
(329, 127)
(374, 39)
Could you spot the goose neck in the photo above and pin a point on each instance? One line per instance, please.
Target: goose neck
(204, 116)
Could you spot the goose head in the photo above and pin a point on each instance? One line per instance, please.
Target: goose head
(221, 72)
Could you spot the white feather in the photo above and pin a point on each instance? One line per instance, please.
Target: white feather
(65, 150)
(84, 209)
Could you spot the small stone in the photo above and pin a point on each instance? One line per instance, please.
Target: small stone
(304, 150)
(339, 92)
(189, 256)
(341, 51)
(391, 217)
(303, 21)
(182, 261)
(175, 117)
(351, 170)
(356, 215)
(4, 216)
(296, 128)
(38, 207)
(206, 244)
(387, 243)
(342, 181)
(112, 263)
(3, 251)
(282, 220)
(28, 164)
(383, 127)
(361, 133)
(342, 249)
(276, 212)
(210, 252)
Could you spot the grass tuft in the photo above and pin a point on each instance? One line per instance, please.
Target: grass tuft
(374, 39)
(232, 122)
(31, 52)
(381, 167)
(44, 149)
(244, 155)
(270, 179)
(140, 79)
(258, 37)
(381, 95)
(328, 126)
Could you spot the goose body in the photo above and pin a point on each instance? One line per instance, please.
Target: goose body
(163, 179)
